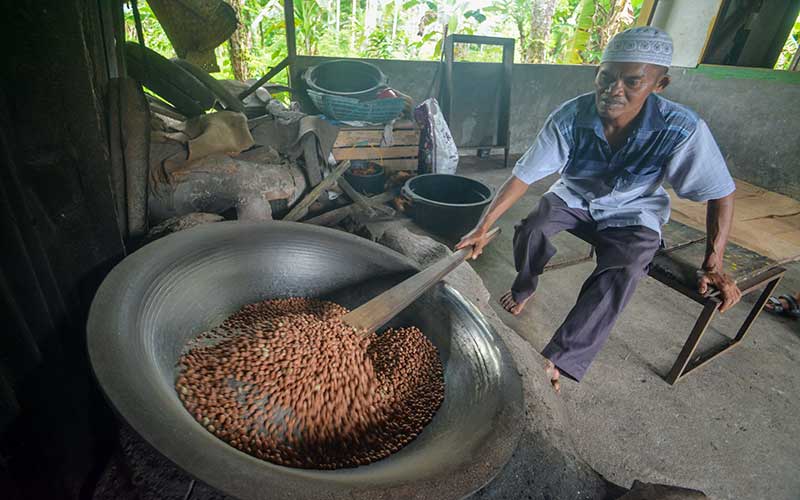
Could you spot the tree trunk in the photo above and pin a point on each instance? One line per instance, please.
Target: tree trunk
(522, 35)
(338, 17)
(239, 45)
(396, 16)
(353, 27)
(370, 17)
(541, 21)
(620, 18)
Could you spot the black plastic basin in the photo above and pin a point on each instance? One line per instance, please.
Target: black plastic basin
(348, 78)
(447, 205)
(368, 184)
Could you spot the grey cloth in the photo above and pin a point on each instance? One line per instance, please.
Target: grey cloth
(623, 258)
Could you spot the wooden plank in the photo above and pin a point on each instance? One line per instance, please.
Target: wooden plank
(674, 234)
(683, 262)
(395, 165)
(765, 222)
(375, 153)
(358, 137)
(301, 208)
(646, 13)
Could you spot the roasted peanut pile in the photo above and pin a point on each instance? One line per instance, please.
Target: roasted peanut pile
(286, 381)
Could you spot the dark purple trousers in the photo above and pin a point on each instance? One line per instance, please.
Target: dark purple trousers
(623, 258)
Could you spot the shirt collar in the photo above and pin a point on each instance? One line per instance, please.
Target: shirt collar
(650, 117)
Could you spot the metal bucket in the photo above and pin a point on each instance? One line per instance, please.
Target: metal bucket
(171, 290)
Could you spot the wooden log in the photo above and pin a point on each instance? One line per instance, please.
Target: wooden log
(358, 198)
(333, 217)
(135, 136)
(299, 210)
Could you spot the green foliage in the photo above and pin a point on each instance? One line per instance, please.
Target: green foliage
(790, 47)
(580, 39)
(308, 25)
(154, 36)
(410, 29)
(378, 45)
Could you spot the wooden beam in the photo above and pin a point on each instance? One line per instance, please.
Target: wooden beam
(291, 40)
(395, 165)
(795, 64)
(646, 13)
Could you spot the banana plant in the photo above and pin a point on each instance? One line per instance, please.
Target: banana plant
(583, 28)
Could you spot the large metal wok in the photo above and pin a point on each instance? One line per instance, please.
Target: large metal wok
(158, 298)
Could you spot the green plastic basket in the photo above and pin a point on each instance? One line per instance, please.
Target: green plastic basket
(349, 109)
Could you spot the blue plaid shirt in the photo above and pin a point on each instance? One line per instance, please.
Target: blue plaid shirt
(669, 142)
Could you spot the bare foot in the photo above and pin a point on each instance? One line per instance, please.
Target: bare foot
(553, 373)
(510, 305)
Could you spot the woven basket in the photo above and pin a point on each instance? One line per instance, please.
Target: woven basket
(349, 109)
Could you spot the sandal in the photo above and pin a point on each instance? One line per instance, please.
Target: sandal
(776, 306)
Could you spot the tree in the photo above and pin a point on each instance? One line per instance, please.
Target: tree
(308, 25)
(547, 31)
(516, 11)
(353, 23)
(541, 23)
(533, 21)
(583, 28)
(240, 44)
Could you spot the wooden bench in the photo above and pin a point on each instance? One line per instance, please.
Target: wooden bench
(676, 266)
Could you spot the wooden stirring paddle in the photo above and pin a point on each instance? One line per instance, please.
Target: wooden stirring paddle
(379, 310)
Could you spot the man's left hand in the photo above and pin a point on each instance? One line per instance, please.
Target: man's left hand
(728, 291)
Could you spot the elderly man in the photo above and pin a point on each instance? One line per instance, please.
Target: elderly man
(614, 148)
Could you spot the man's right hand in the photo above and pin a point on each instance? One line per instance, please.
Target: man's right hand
(511, 191)
(476, 239)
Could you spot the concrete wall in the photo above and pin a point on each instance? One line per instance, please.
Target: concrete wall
(755, 116)
(753, 113)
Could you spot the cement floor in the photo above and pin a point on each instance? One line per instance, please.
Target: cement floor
(730, 429)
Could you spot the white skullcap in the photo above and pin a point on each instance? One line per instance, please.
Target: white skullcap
(643, 44)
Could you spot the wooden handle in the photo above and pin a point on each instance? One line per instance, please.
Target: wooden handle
(376, 312)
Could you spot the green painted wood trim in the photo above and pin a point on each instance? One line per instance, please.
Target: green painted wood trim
(720, 72)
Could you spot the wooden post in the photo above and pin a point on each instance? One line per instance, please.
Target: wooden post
(291, 39)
